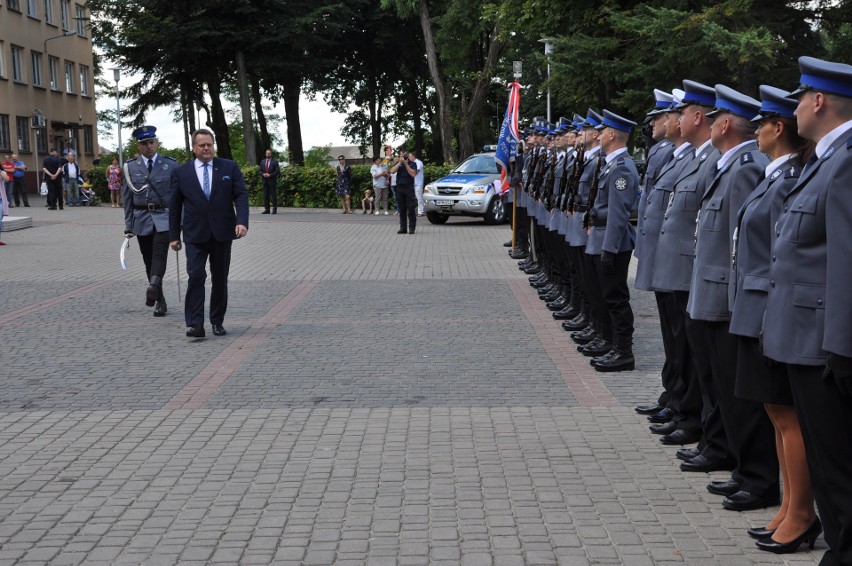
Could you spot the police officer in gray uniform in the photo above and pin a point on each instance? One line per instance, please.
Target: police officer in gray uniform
(749, 431)
(612, 237)
(147, 189)
(808, 322)
(698, 415)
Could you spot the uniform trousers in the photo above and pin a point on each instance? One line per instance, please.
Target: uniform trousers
(155, 252)
(600, 312)
(675, 348)
(825, 416)
(20, 191)
(714, 442)
(54, 192)
(270, 193)
(219, 254)
(407, 203)
(685, 394)
(616, 293)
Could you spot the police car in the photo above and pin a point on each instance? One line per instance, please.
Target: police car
(470, 190)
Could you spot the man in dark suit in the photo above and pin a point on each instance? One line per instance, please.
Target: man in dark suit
(209, 203)
(269, 170)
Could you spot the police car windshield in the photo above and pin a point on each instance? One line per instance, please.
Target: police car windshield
(484, 164)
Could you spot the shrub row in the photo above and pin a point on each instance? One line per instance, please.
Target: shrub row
(298, 187)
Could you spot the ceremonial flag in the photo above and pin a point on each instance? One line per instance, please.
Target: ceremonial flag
(507, 141)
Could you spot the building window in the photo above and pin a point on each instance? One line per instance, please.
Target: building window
(36, 59)
(5, 142)
(48, 11)
(17, 67)
(84, 80)
(41, 140)
(32, 11)
(69, 77)
(13, 5)
(80, 18)
(23, 123)
(88, 140)
(2, 61)
(53, 67)
(64, 6)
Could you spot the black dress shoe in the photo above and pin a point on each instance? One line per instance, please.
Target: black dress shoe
(195, 331)
(584, 336)
(219, 330)
(558, 305)
(687, 453)
(617, 361)
(411, 231)
(507, 244)
(519, 254)
(702, 464)
(681, 437)
(727, 487)
(597, 347)
(160, 308)
(265, 212)
(274, 212)
(745, 501)
(809, 537)
(578, 323)
(663, 428)
(760, 533)
(648, 409)
(663, 416)
(401, 231)
(151, 294)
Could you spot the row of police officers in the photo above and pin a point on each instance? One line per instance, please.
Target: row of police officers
(744, 235)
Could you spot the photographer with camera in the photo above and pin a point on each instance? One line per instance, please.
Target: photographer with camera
(406, 169)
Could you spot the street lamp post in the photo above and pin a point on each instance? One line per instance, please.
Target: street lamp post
(548, 49)
(116, 75)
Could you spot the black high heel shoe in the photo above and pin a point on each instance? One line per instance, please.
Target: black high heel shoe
(760, 533)
(809, 536)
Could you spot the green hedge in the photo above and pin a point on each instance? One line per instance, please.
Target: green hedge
(298, 187)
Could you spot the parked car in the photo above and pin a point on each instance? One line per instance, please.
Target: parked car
(470, 190)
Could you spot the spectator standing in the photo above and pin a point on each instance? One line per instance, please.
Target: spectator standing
(406, 171)
(379, 171)
(344, 179)
(418, 185)
(52, 169)
(72, 178)
(18, 182)
(269, 170)
(9, 169)
(3, 204)
(114, 183)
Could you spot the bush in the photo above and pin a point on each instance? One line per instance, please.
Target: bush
(298, 187)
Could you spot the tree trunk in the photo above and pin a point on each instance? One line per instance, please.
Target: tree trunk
(292, 86)
(471, 110)
(265, 140)
(374, 107)
(441, 90)
(188, 118)
(217, 117)
(250, 154)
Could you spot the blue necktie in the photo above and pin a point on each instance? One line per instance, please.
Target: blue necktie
(206, 185)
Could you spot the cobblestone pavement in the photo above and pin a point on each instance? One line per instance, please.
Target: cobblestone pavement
(379, 399)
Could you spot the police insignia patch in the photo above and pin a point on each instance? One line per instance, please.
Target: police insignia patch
(620, 184)
(774, 175)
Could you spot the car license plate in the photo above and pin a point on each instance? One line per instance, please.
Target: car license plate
(444, 203)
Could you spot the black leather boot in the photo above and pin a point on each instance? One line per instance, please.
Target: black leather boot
(597, 347)
(584, 336)
(622, 360)
(567, 313)
(579, 322)
(152, 293)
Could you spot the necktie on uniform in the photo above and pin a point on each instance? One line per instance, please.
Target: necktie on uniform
(150, 166)
(810, 162)
(206, 184)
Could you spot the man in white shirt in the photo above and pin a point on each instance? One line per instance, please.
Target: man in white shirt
(418, 184)
(379, 172)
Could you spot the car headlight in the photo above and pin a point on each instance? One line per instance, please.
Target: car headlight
(430, 189)
(474, 190)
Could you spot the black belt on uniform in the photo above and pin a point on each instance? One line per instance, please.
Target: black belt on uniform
(150, 206)
(581, 208)
(597, 222)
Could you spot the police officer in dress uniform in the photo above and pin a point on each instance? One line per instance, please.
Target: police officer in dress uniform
(147, 190)
(697, 415)
(808, 323)
(612, 237)
(747, 427)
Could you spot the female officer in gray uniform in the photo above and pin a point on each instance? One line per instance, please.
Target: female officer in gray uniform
(147, 189)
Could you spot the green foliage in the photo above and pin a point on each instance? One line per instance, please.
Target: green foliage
(318, 156)
(313, 187)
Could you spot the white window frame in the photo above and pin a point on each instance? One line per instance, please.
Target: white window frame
(35, 58)
(17, 64)
(53, 72)
(2, 60)
(69, 77)
(84, 80)
(64, 15)
(32, 8)
(48, 11)
(80, 19)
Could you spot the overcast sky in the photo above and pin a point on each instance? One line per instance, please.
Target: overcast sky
(320, 125)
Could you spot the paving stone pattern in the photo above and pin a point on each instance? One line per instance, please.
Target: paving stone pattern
(379, 399)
